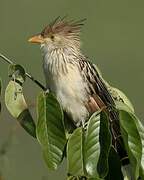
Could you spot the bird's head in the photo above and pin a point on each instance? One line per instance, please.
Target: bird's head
(60, 33)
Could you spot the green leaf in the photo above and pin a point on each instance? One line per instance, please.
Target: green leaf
(105, 145)
(120, 97)
(15, 101)
(123, 106)
(114, 172)
(97, 145)
(26, 121)
(140, 127)
(132, 140)
(92, 145)
(75, 153)
(50, 129)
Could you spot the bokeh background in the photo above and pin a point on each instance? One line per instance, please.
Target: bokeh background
(113, 37)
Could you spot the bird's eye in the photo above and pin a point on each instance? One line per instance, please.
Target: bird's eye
(52, 37)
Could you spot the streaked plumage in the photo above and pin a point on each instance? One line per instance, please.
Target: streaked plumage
(73, 78)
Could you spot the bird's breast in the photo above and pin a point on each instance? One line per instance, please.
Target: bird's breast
(70, 90)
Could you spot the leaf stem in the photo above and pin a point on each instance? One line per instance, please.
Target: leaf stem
(27, 74)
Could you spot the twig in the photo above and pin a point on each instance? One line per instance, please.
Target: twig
(27, 74)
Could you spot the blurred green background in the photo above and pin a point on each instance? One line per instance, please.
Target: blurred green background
(113, 37)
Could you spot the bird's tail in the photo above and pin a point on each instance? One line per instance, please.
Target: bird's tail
(117, 139)
(127, 172)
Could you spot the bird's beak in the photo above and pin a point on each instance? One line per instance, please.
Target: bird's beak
(38, 39)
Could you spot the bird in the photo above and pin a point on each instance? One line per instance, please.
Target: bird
(74, 79)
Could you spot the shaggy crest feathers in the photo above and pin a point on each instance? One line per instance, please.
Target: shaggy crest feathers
(64, 27)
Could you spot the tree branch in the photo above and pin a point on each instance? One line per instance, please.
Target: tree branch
(27, 74)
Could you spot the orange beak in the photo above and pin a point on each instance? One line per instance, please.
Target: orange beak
(38, 39)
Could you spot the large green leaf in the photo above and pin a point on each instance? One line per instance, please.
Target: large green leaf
(92, 145)
(140, 127)
(97, 145)
(15, 101)
(75, 153)
(132, 140)
(50, 129)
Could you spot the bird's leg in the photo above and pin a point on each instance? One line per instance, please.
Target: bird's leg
(47, 91)
(83, 123)
(80, 123)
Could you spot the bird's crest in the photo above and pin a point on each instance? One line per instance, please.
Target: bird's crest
(64, 27)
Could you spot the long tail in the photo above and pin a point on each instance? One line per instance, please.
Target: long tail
(127, 172)
(117, 139)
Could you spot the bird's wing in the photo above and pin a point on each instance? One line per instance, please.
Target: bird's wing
(99, 98)
(95, 84)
